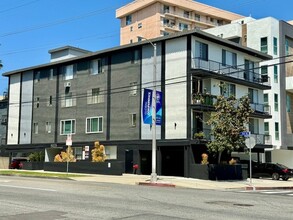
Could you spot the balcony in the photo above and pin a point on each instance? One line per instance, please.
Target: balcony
(203, 102)
(262, 139)
(202, 135)
(235, 74)
(261, 110)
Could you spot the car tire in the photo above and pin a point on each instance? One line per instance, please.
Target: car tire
(285, 178)
(275, 176)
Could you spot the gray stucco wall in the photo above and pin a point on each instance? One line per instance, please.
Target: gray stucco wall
(124, 72)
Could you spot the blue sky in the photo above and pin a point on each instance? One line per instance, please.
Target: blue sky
(29, 28)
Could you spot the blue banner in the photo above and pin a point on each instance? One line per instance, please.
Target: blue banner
(147, 107)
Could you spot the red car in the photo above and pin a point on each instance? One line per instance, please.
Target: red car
(16, 163)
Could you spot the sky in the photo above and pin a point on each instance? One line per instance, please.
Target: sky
(30, 28)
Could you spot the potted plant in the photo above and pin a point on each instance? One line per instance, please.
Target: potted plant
(199, 135)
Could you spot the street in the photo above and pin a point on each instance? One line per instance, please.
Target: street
(46, 199)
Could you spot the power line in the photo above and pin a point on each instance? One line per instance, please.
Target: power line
(19, 6)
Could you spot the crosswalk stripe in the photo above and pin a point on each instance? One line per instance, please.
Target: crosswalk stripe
(290, 194)
(277, 192)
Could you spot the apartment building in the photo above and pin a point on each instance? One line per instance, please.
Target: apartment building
(275, 38)
(99, 96)
(3, 121)
(155, 18)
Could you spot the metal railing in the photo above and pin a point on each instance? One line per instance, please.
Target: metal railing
(202, 134)
(262, 139)
(203, 99)
(238, 72)
(264, 108)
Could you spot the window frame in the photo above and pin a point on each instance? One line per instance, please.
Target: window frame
(128, 20)
(99, 127)
(276, 102)
(72, 129)
(277, 131)
(132, 119)
(264, 45)
(48, 127)
(275, 46)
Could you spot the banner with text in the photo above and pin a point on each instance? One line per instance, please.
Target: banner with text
(147, 107)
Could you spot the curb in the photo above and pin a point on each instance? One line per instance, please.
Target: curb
(156, 184)
(267, 187)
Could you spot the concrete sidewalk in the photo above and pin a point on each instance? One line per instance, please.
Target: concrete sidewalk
(169, 181)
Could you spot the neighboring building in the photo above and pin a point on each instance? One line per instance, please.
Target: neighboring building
(275, 38)
(99, 96)
(154, 18)
(3, 121)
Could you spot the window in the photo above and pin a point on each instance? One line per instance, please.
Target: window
(201, 50)
(111, 152)
(186, 14)
(132, 120)
(166, 9)
(131, 28)
(36, 128)
(94, 96)
(227, 89)
(229, 58)
(135, 56)
(288, 103)
(68, 72)
(128, 19)
(77, 152)
(266, 128)
(50, 101)
(197, 17)
(249, 70)
(68, 99)
(94, 125)
(183, 26)
(48, 127)
(287, 48)
(264, 44)
(67, 127)
(36, 102)
(264, 74)
(51, 74)
(275, 46)
(266, 99)
(277, 135)
(139, 26)
(276, 102)
(276, 74)
(37, 76)
(133, 89)
(253, 95)
(254, 125)
(139, 39)
(96, 67)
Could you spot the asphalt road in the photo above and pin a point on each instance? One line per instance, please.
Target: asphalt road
(45, 199)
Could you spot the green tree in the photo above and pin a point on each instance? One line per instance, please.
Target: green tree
(231, 117)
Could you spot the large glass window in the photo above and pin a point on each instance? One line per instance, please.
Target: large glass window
(266, 128)
(253, 95)
(94, 125)
(266, 98)
(264, 73)
(201, 50)
(96, 66)
(228, 89)
(94, 96)
(287, 48)
(67, 127)
(288, 103)
(68, 72)
(264, 44)
(254, 125)
(128, 19)
(229, 58)
(277, 134)
(275, 46)
(276, 75)
(276, 102)
(183, 26)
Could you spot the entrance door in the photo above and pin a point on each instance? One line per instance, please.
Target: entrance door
(128, 161)
(145, 162)
(173, 162)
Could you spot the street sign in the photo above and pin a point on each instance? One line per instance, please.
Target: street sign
(245, 134)
(69, 140)
(250, 142)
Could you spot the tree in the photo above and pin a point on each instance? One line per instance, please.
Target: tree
(231, 117)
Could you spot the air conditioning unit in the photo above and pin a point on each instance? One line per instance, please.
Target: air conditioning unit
(67, 84)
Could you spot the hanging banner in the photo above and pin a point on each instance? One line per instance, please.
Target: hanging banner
(147, 107)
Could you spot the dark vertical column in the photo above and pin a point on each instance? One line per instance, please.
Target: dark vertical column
(140, 98)
(186, 161)
(20, 105)
(57, 98)
(108, 130)
(163, 87)
(159, 161)
(188, 86)
(8, 104)
(33, 96)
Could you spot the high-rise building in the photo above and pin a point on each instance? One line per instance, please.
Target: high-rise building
(155, 18)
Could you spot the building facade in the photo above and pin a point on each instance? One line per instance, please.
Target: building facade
(275, 38)
(155, 18)
(3, 121)
(99, 96)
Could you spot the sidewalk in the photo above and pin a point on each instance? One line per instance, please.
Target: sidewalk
(169, 181)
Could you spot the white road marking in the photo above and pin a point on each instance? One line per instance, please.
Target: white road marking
(277, 192)
(32, 188)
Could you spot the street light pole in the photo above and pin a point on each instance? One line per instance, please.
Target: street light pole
(154, 112)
